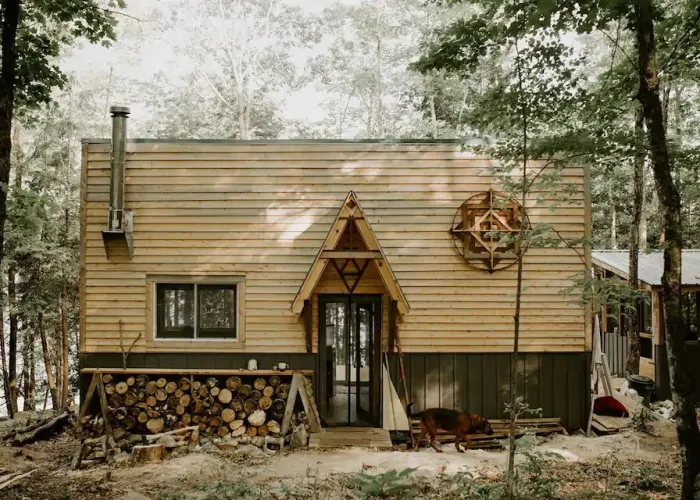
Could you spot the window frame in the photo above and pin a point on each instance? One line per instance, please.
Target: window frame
(235, 282)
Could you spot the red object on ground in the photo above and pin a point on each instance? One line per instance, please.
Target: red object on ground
(610, 407)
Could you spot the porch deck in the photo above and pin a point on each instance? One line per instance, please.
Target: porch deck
(361, 437)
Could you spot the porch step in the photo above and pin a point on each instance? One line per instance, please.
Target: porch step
(360, 437)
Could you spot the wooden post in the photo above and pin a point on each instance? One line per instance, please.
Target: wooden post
(86, 404)
(308, 325)
(291, 401)
(103, 406)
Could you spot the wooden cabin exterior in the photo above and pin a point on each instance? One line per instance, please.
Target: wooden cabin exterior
(326, 256)
(653, 361)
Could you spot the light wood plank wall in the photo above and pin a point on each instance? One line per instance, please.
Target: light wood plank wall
(263, 211)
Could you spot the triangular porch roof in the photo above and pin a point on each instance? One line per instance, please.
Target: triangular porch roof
(350, 212)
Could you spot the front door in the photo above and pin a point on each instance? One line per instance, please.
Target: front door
(349, 347)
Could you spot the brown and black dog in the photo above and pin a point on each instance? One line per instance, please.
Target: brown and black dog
(462, 424)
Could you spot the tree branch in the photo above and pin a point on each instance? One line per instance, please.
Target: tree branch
(669, 61)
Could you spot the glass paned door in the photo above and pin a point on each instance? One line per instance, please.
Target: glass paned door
(349, 356)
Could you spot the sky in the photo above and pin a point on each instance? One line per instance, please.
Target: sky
(146, 46)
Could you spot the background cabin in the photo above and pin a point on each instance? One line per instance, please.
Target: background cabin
(331, 257)
(653, 361)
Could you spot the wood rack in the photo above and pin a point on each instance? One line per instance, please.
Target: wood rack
(197, 371)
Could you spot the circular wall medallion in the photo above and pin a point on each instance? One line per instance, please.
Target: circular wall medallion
(485, 230)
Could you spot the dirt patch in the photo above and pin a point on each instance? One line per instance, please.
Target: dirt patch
(603, 467)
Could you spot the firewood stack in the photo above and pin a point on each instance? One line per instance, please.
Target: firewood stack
(219, 406)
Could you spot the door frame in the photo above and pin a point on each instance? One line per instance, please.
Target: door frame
(375, 372)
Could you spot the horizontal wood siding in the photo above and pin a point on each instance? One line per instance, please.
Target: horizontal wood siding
(263, 211)
(480, 383)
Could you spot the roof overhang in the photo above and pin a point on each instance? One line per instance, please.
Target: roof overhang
(350, 212)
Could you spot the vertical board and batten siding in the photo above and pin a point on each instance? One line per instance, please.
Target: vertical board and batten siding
(262, 211)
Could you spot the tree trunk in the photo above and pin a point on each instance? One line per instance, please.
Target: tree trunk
(65, 347)
(510, 480)
(12, 302)
(48, 364)
(633, 270)
(3, 355)
(28, 371)
(433, 116)
(10, 19)
(679, 360)
(613, 220)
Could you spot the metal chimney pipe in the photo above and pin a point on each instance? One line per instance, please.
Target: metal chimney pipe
(117, 167)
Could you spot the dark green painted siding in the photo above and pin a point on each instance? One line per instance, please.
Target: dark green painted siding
(480, 383)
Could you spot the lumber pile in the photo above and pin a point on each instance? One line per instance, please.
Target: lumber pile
(537, 426)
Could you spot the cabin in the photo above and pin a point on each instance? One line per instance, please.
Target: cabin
(356, 262)
(653, 360)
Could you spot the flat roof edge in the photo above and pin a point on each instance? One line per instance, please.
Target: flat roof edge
(476, 141)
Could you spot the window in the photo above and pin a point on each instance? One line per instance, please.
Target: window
(196, 311)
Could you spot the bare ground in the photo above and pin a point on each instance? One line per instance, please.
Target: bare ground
(625, 465)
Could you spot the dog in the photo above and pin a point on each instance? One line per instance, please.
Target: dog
(462, 424)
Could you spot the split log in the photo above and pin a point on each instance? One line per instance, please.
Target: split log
(155, 425)
(215, 422)
(259, 384)
(228, 415)
(142, 380)
(155, 437)
(141, 394)
(257, 418)
(223, 431)
(161, 382)
(237, 403)
(225, 396)
(236, 424)
(196, 419)
(212, 382)
(142, 418)
(161, 395)
(241, 415)
(268, 391)
(130, 398)
(129, 423)
(282, 391)
(173, 402)
(203, 391)
(252, 431)
(151, 387)
(203, 426)
(179, 393)
(170, 387)
(110, 389)
(262, 431)
(185, 400)
(238, 431)
(207, 402)
(197, 406)
(118, 433)
(106, 378)
(131, 381)
(122, 387)
(256, 395)
(249, 406)
(196, 385)
(274, 381)
(215, 409)
(151, 401)
(147, 453)
(152, 413)
(186, 418)
(184, 384)
(180, 410)
(115, 401)
(233, 383)
(265, 403)
(244, 390)
(273, 427)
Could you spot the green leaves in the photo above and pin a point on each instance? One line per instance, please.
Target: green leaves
(390, 484)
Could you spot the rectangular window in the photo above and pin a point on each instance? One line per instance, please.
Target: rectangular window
(196, 311)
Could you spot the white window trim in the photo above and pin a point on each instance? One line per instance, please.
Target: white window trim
(187, 280)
